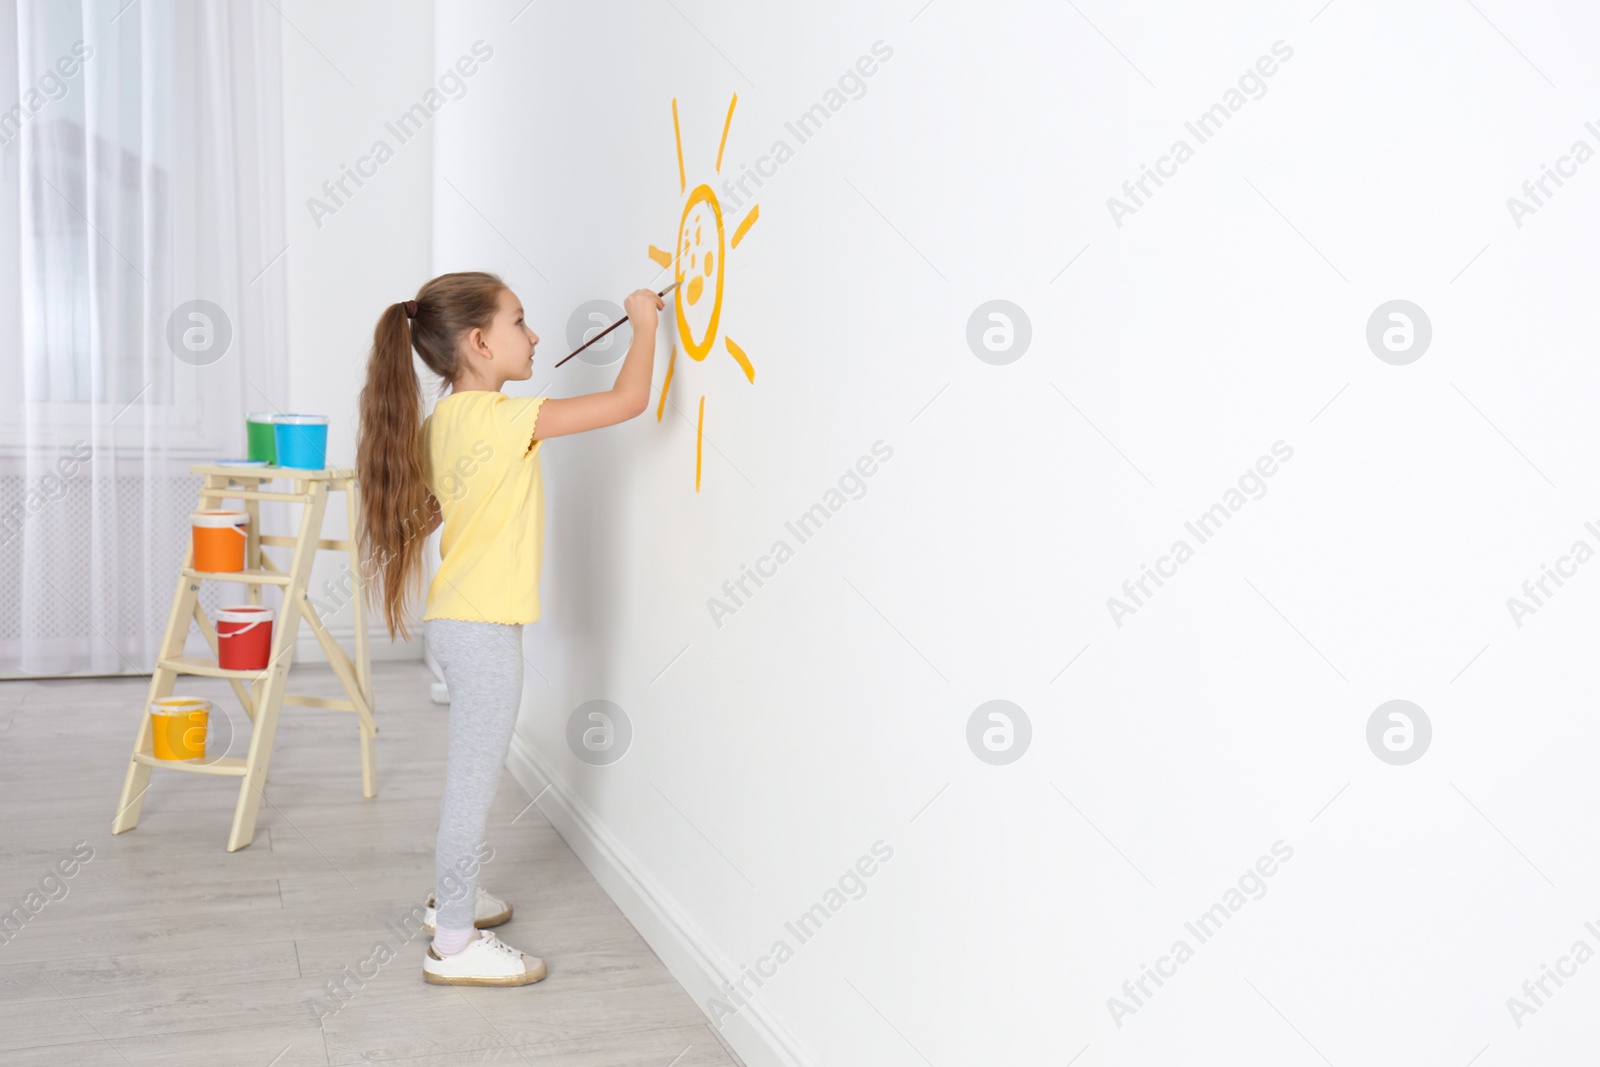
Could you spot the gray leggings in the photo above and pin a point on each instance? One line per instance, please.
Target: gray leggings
(482, 664)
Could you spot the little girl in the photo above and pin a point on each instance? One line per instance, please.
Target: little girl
(472, 466)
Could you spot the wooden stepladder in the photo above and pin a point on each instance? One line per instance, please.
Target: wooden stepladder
(262, 692)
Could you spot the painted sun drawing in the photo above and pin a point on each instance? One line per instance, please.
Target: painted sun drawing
(699, 259)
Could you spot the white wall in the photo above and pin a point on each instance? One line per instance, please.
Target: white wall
(350, 69)
(1172, 752)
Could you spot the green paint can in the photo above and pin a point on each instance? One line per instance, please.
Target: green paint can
(262, 436)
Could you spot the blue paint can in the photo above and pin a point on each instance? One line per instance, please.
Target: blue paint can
(302, 441)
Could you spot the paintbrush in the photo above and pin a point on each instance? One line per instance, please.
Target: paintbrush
(608, 329)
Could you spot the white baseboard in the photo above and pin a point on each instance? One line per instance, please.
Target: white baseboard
(754, 1032)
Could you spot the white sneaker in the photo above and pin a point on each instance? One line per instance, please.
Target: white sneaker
(486, 960)
(489, 910)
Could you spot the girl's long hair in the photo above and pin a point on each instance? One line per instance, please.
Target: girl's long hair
(394, 497)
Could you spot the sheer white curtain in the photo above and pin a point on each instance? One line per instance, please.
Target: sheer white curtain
(142, 304)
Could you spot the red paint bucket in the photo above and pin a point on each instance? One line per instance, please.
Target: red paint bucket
(244, 637)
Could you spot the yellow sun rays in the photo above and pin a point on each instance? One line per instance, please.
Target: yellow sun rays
(671, 359)
(683, 182)
(749, 221)
(744, 362)
(706, 263)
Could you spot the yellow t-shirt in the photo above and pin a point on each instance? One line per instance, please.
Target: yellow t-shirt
(481, 462)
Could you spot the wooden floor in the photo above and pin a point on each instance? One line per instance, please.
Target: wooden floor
(166, 949)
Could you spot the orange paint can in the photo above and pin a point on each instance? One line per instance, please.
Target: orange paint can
(178, 727)
(219, 539)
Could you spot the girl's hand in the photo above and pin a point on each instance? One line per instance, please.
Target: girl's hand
(641, 306)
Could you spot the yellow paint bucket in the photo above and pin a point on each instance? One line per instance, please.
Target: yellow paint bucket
(178, 727)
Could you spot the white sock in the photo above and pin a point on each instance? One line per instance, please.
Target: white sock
(450, 942)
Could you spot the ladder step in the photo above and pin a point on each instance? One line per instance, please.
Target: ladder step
(254, 494)
(207, 667)
(328, 543)
(250, 577)
(227, 765)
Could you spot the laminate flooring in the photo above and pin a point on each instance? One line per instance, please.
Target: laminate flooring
(164, 948)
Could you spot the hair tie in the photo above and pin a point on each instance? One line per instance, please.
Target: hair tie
(411, 308)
